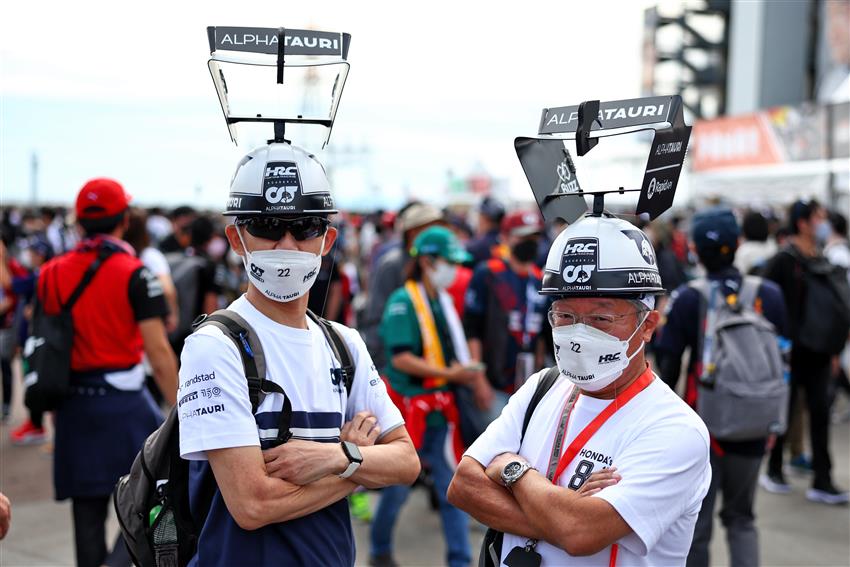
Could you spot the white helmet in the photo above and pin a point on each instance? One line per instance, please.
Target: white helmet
(601, 256)
(279, 179)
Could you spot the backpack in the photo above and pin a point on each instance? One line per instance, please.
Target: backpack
(491, 546)
(825, 319)
(152, 501)
(186, 275)
(742, 393)
(47, 351)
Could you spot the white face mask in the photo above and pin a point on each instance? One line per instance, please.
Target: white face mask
(281, 275)
(443, 274)
(589, 358)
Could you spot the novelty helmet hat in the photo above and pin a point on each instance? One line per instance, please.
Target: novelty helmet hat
(279, 179)
(601, 256)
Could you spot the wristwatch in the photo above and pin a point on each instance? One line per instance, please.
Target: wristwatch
(513, 471)
(352, 452)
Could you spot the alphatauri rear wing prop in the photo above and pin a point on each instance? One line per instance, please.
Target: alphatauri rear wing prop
(278, 76)
(551, 172)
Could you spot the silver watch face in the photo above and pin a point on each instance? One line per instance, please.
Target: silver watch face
(512, 469)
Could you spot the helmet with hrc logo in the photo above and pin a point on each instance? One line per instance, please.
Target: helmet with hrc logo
(279, 179)
(601, 256)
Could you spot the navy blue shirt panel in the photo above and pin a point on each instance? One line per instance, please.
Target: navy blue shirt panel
(323, 538)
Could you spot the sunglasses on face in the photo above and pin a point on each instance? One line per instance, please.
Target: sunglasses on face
(275, 228)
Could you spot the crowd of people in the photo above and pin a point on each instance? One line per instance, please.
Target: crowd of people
(448, 308)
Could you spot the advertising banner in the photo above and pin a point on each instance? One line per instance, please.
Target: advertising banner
(773, 136)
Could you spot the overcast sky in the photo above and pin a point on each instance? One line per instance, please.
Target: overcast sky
(122, 90)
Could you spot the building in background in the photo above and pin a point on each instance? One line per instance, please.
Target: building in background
(768, 86)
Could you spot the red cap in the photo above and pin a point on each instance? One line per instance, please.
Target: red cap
(388, 219)
(101, 198)
(522, 223)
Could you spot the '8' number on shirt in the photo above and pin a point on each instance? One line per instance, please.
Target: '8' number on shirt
(583, 471)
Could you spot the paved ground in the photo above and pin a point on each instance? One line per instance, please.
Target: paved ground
(794, 532)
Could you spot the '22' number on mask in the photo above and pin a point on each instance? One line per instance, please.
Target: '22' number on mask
(283, 272)
(575, 347)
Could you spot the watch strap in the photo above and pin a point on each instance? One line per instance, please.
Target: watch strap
(524, 468)
(352, 467)
(353, 461)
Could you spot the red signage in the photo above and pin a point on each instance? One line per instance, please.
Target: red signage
(776, 135)
(732, 142)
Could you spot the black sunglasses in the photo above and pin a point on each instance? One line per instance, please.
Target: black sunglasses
(275, 228)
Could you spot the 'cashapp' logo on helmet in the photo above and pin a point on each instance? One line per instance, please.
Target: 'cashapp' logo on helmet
(580, 260)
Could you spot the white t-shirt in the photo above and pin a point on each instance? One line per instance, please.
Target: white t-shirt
(214, 408)
(659, 446)
(155, 261)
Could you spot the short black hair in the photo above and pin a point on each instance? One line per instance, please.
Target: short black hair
(801, 210)
(838, 222)
(103, 225)
(182, 211)
(137, 231)
(755, 227)
(716, 259)
(201, 230)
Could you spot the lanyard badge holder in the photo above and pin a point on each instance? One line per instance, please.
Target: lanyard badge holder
(527, 556)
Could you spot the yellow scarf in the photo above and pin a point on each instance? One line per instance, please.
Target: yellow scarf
(432, 349)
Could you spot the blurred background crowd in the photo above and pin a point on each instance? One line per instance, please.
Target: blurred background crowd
(766, 86)
(187, 250)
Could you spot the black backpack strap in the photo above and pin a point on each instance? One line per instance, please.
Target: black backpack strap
(339, 348)
(547, 380)
(253, 361)
(103, 253)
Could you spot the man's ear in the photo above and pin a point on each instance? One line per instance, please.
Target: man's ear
(330, 239)
(125, 222)
(232, 234)
(650, 325)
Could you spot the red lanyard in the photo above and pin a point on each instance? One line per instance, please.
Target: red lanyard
(591, 428)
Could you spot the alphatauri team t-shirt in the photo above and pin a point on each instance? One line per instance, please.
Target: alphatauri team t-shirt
(659, 446)
(215, 413)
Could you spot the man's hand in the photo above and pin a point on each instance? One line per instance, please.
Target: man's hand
(362, 430)
(494, 469)
(460, 374)
(171, 322)
(5, 515)
(302, 462)
(599, 480)
(482, 392)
